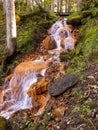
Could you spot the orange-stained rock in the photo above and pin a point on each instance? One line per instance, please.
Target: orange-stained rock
(75, 35)
(1, 96)
(62, 43)
(9, 77)
(46, 57)
(42, 100)
(30, 66)
(38, 101)
(32, 91)
(38, 88)
(59, 112)
(47, 41)
(50, 43)
(42, 86)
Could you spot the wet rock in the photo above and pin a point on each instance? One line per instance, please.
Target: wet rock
(62, 43)
(30, 66)
(3, 123)
(75, 35)
(42, 86)
(50, 43)
(61, 85)
(1, 96)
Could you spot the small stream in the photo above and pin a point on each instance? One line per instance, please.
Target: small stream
(14, 96)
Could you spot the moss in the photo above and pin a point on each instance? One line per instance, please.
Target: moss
(86, 13)
(74, 19)
(95, 12)
(66, 56)
(87, 48)
(3, 123)
(32, 30)
(79, 18)
(89, 36)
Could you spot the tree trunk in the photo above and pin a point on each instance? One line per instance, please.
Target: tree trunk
(11, 29)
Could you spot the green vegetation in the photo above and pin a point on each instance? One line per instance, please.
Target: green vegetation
(87, 4)
(74, 19)
(3, 123)
(81, 18)
(32, 29)
(87, 47)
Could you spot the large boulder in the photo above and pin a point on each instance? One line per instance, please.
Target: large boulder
(61, 85)
(3, 123)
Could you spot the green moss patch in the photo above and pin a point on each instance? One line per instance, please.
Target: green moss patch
(3, 123)
(74, 19)
(87, 47)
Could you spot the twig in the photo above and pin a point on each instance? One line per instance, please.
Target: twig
(88, 93)
(80, 126)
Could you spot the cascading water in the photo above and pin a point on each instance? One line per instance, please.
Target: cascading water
(61, 32)
(14, 96)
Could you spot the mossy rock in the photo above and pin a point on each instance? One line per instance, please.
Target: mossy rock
(86, 13)
(95, 12)
(74, 19)
(3, 123)
(85, 20)
(89, 43)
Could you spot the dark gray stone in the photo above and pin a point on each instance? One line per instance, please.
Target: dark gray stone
(61, 85)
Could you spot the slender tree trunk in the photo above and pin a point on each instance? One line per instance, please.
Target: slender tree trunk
(11, 29)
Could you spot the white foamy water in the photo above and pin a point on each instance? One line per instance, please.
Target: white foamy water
(15, 95)
(17, 98)
(56, 30)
